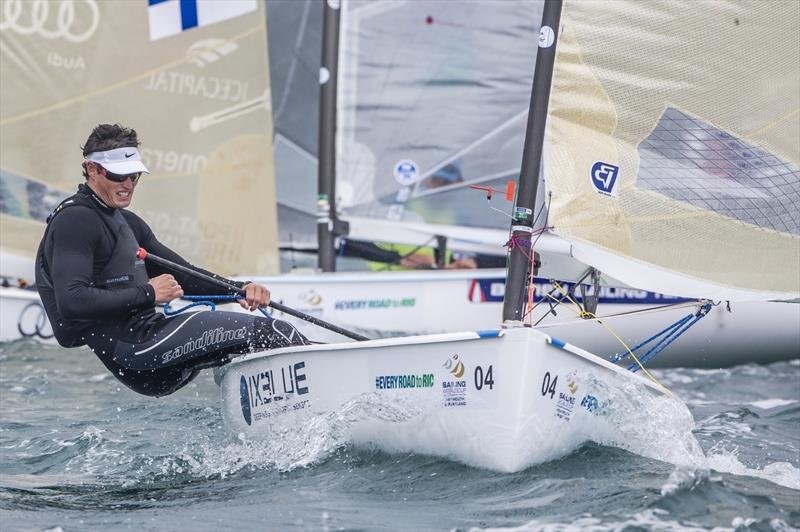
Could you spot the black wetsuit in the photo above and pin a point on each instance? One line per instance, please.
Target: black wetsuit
(96, 293)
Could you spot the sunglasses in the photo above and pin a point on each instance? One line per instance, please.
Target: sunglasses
(117, 178)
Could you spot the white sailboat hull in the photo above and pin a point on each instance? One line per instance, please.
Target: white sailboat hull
(22, 316)
(502, 400)
(403, 303)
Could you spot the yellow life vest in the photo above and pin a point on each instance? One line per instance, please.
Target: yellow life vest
(402, 250)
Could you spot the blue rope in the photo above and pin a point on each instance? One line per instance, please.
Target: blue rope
(669, 335)
(622, 356)
(206, 301)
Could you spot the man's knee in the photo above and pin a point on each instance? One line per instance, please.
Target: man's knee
(272, 333)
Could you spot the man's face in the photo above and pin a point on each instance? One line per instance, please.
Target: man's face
(114, 194)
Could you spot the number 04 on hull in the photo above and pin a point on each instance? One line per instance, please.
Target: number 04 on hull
(501, 399)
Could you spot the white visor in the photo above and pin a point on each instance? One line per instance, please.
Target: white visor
(120, 161)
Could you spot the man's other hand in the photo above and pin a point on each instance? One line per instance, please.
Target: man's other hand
(166, 288)
(256, 296)
(463, 264)
(418, 261)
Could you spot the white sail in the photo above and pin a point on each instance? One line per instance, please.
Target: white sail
(673, 148)
(195, 86)
(432, 97)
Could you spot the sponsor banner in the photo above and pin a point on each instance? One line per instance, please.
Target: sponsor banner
(454, 391)
(392, 382)
(492, 291)
(365, 304)
(564, 406)
(274, 392)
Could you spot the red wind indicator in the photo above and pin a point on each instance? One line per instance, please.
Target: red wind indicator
(511, 187)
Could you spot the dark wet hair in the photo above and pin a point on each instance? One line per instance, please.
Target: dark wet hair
(108, 137)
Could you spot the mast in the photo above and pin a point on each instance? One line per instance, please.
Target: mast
(326, 169)
(522, 226)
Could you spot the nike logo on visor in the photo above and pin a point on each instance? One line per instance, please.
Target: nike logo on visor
(129, 155)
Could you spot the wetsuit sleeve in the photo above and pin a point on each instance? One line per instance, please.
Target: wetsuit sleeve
(490, 261)
(368, 251)
(191, 285)
(77, 235)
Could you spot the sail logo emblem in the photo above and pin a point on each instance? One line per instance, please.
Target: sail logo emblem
(454, 392)
(604, 178)
(62, 25)
(454, 366)
(406, 172)
(572, 382)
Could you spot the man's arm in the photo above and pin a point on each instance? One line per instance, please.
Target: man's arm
(368, 251)
(190, 284)
(77, 234)
(255, 295)
(372, 252)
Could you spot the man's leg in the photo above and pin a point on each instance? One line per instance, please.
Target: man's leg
(182, 345)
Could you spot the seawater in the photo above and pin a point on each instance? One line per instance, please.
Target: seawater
(79, 451)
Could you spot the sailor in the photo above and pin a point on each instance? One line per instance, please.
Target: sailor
(97, 293)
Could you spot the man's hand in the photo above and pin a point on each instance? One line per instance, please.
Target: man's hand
(418, 261)
(463, 264)
(166, 288)
(256, 296)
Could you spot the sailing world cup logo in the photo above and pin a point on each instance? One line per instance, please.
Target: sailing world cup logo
(604, 178)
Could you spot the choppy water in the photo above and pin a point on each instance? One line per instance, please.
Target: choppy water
(79, 451)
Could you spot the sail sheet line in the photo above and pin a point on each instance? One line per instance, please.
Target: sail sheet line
(585, 313)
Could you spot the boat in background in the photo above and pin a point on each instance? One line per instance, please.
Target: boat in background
(512, 397)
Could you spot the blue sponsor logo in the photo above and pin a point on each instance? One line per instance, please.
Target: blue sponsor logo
(364, 304)
(245, 397)
(604, 178)
(589, 402)
(406, 172)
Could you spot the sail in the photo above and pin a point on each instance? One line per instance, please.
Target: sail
(191, 77)
(295, 44)
(672, 157)
(432, 97)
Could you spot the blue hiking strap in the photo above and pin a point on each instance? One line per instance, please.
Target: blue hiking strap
(206, 301)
